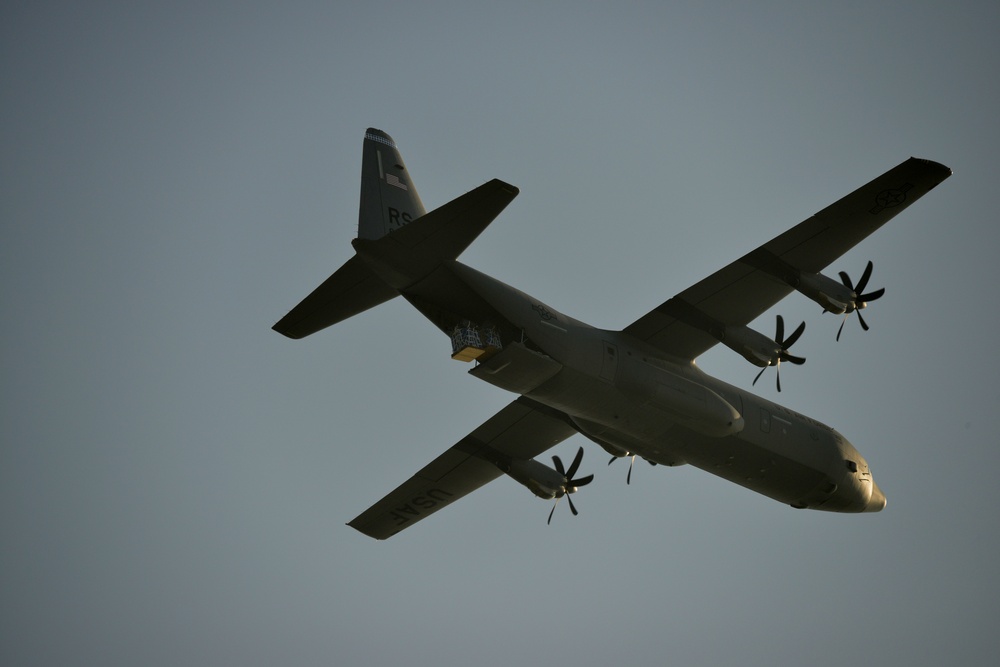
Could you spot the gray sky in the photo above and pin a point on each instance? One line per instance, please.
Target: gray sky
(175, 476)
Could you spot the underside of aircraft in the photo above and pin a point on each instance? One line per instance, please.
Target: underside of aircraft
(635, 391)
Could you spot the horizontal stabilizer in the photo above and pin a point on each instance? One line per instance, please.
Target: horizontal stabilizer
(351, 290)
(412, 252)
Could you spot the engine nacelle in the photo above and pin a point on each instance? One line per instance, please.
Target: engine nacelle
(540, 479)
(833, 295)
(754, 346)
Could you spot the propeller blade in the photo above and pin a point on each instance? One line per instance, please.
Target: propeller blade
(570, 485)
(860, 300)
(864, 278)
(783, 343)
(559, 466)
(871, 296)
(794, 337)
(575, 464)
(613, 459)
(631, 457)
(846, 279)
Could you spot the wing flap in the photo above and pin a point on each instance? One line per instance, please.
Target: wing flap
(523, 430)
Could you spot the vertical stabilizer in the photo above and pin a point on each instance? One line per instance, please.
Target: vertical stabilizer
(389, 199)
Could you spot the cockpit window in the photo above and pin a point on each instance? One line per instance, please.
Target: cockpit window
(851, 465)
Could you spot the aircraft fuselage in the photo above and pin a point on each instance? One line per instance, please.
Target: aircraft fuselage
(632, 400)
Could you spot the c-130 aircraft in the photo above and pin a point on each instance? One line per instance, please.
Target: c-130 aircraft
(634, 392)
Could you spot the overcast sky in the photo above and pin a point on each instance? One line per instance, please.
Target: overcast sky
(175, 477)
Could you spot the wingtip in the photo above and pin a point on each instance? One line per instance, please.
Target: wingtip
(353, 523)
(944, 169)
(285, 329)
(513, 190)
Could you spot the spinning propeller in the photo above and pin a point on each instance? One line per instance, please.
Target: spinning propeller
(570, 485)
(783, 354)
(860, 300)
(628, 478)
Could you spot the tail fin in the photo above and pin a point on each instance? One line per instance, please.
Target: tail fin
(389, 198)
(387, 263)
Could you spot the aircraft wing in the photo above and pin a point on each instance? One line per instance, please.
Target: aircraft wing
(522, 430)
(743, 290)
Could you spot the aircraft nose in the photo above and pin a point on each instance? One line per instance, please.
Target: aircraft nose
(877, 501)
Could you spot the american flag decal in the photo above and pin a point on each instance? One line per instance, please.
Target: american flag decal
(394, 181)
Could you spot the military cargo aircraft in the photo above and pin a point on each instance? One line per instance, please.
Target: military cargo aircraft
(634, 392)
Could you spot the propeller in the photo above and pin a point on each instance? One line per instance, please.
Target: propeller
(628, 478)
(570, 485)
(783, 354)
(861, 299)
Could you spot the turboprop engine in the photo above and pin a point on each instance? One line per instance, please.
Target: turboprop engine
(540, 479)
(760, 350)
(827, 292)
(842, 298)
(545, 482)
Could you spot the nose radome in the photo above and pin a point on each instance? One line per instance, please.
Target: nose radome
(877, 502)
